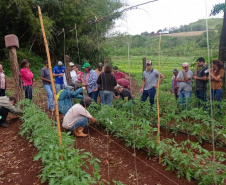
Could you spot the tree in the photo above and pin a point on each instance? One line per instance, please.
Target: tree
(222, 47)
(20, 17)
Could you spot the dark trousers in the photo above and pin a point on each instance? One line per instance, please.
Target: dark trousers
(2, 92)
(149, 93)
(94, 95)
(4, 113)
(28, 92)
(200, 95)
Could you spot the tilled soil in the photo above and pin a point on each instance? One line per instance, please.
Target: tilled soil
(16, 157)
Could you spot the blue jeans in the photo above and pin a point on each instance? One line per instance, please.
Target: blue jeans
(216, 93)
(201, 95)
(50, 102)
(184, 98)
(149, 93)
(28, 91)
(93, 95)
(59, 87)
(81, 122)
(106, 97)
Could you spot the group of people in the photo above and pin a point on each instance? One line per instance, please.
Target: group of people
(181, 84)
(108, 83)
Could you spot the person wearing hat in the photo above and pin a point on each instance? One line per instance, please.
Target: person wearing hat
(45, 77)
(73, 74)
(27, 78)
(77, 117)
(125, 94)
(106, 82)
(64, 97)
(150, 82)
(100, 69)
(90, 81)
(184, 78)
(118, 74)
(58, 73)
(200, 77)
(174, 83)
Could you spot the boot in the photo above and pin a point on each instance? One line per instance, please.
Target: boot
(79, 132)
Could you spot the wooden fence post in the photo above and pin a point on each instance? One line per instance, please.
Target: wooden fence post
(12, 43)
(67, 70)
(144, 64)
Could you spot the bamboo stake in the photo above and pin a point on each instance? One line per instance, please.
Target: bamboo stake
(158, 98)
(51, 77)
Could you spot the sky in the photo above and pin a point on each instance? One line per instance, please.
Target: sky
(161, 14)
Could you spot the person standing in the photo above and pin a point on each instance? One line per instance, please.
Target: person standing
(106, 82)
(45, 76)
(90, 81)
(73, 74)
(150, 83)
(2, 81)
(27, 78)
(200, 77)
(174, 83)
(7, 104)
(216, 75)
(80, 75)
(58, 73)
(100, 69)
(77, 117)
(184, 78)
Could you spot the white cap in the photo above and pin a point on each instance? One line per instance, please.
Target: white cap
(185, 64)
(71, 64)
(60, 63)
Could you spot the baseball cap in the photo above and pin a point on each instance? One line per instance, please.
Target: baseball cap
(148, 62)
(60, 63)
(86, 65)
(71, 64)
(175, 70)
(87, 100)
(185, 64)
(117, 86)
(115, 67)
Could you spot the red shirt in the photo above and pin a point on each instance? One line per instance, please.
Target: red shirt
(123, 82)
(119, 75)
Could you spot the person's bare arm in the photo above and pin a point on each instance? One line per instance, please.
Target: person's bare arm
(93, 120)
(162, 77)
(45, 79)
(204, 78)
(143, 84)
(186, 78)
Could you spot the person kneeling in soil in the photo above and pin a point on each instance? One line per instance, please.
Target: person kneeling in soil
(65, 96)
(77, 117)
(124, 93)
(7, 104)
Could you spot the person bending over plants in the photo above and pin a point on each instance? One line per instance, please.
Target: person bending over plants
(7, 104)
(77, 117)
(65, 96)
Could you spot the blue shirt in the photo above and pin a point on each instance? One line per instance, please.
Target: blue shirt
(58, 70)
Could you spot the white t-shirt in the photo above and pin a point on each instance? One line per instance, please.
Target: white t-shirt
(73, 78)
(74, 113)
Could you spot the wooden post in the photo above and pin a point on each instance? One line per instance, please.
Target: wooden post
(51, 77)
(158, 98)
(106, 61)
(67, 70)
(144, 64)
(12, 43)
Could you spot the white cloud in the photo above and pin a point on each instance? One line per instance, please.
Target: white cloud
(161, 14)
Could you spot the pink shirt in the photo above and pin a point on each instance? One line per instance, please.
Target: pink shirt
(80, 76)
(119, 75)
(2, 80)
(26, 76)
